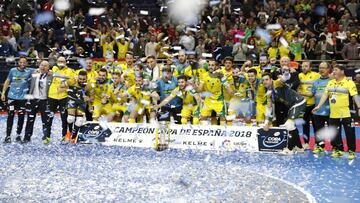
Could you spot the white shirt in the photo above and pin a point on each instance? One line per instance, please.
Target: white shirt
(40, 87)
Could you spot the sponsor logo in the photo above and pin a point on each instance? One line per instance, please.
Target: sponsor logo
(273, 140)
(93, 133)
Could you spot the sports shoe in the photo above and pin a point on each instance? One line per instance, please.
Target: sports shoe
(351, 155)
(18, 138)
(306, 146)
(25, 140)
(286, 151)
(318, 150)
(298, 150)
(47, 140)
(7, 139)
(337, 153)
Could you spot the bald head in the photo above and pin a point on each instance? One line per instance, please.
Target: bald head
(61, 62)
(44, 67)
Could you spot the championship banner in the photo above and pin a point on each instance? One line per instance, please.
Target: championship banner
(198, 137)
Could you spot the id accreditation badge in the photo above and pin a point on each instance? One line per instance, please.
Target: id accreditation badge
(333, 99)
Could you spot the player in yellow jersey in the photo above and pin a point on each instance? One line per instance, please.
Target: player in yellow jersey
(90, 72)
(100, 93)
(58, 95)
(191, 101)
(257, 93)
(119, 108)
(337, 92)
(227, 72)
(307, 78)
(141, 99)
(214, 86)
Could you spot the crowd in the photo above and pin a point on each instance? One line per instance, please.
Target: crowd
(303, 29)
(198, 83)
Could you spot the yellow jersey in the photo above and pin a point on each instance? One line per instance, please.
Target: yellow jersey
(306, 83)
(57, 82)
(186, 95)
(283, 51)
(90, 74)
(122, 49)
(138, 94)
(230, 80)
(339, 97)
(214, 86)
(99, 91)
(273, 52)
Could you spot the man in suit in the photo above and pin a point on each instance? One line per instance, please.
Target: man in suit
(38, 96)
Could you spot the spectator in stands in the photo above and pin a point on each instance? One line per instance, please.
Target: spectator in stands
(26, 40)
(150, 47)
(239, 51)
(6, 49)
(351, 50)
(188, 41)
(357, 81)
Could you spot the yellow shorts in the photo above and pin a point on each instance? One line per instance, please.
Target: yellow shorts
(260, 113)
(212, 105)
(189, 110)
(104, 109)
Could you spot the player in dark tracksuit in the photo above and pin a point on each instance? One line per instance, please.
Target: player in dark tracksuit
(279, 92)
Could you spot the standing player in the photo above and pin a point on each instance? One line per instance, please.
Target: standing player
(58, 96)
(338, 91)
(321, 117)
(214, 85)
(307, 79)
(257, 93)
(38, 93)
(100, 93)
(18, 81)
(76, 107)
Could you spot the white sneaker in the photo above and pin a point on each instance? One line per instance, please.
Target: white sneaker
(306, 146)
(298, 150)
(286, 151)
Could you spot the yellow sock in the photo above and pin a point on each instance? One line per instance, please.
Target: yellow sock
(184, 120)
(229, 123)
(131, 120)
(195, 120)
(248, 124)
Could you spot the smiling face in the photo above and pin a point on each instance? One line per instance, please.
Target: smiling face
(267, 81)
(22, 63)
(44, 67)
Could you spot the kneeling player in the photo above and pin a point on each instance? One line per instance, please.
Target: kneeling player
(191, 101)
(140, 97)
